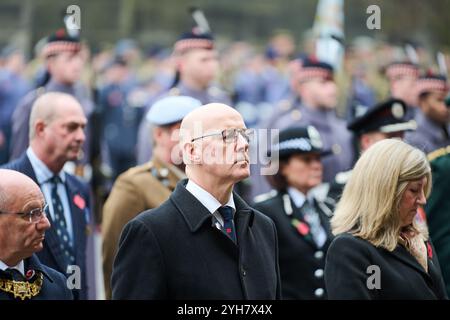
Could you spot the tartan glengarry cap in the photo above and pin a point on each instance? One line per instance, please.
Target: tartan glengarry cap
(432, 82)
(193, 40)
(59, 42)
(399, 69)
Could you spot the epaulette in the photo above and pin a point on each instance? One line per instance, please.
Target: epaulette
(265, 196)
(438, 153)
(330, 201)
(140, 169)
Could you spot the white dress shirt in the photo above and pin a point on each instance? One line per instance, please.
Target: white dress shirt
(20, 267)
(43, 174)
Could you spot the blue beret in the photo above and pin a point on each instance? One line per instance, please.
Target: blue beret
(171, 109)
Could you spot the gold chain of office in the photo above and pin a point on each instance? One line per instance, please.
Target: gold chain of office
(23, 289)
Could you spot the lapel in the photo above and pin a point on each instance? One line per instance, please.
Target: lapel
(243, 218)
(192, 210)
(325, 221)
(52, 241)
(78, 227)
(27, 168)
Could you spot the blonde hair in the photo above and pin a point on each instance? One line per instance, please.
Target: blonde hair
(369, 205)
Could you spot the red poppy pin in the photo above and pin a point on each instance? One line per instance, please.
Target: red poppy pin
(30, 274)
(301, 227)
(430, 250)
(79, 202)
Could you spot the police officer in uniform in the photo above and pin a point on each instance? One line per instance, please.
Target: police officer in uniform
(314, 104)
(146, 186)
(64, 62)
(302, 221)
(23, 223)
(384, 120)
(433, 120)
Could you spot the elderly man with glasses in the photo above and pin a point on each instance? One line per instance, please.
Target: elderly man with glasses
(23, 223)
(204, 242)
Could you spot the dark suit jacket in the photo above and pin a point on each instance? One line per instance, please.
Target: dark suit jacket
(402, 277)
(54, 285)
(52, 255)
(175, 252)
(301, 261)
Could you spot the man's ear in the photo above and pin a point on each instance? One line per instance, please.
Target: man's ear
(365, 141)
(39, 127)
(190, 153)
(157, 132)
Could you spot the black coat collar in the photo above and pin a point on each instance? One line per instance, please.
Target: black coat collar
(195, 213)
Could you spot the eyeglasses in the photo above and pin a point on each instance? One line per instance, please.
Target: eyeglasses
(231, 135)
(34, 215)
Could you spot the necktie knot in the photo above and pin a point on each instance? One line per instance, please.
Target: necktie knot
(55, 180)
(15, 274)
(227, 213)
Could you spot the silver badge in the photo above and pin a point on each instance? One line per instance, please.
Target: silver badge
(314, 136)
(397, 110)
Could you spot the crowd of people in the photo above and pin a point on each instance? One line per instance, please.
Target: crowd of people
(155, 155)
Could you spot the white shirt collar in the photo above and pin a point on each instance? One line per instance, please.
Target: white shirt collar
(20, 267)
(298, 197)
(207, 199)
(42, 172)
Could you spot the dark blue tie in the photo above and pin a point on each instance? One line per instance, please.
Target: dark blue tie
(60, 225)
(228, 226)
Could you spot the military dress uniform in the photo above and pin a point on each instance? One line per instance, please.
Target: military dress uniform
(430, 135)
(120, 116)
(398, 70)
(332, 129)
(38, 282)
(301, 220)
(21, 117)
(437, 209)
(302, 261)
(187, 41)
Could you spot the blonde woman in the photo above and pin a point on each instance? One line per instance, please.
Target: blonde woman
(380, 252)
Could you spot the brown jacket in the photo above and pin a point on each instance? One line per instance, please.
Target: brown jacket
(136, 190)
